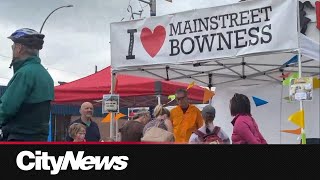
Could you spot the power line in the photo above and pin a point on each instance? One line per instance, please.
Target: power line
(47, 67)
(50, 67)
(10, 79)
(6, 60)
(143, 6)
(4, 78)
(5, 56)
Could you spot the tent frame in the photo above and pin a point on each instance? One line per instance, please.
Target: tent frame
(236, 75)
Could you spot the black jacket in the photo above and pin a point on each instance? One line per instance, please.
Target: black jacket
(92, 131)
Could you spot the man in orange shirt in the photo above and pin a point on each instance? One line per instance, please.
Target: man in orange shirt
(185, 117)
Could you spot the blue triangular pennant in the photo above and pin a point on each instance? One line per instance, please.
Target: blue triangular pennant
(293, 60)
(259, 101)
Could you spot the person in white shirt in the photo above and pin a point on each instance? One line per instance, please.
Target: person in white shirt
(208, 114)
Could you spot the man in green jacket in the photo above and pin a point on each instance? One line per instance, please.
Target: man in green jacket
(25, 105)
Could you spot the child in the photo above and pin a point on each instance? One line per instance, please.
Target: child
(78, 132)
(218, 135)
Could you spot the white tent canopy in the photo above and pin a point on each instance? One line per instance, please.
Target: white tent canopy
(251, 44)
(244, 71)
(255, 64)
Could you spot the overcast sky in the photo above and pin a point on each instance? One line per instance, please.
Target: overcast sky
(77, 38)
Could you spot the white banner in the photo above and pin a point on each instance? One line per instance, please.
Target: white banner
(211, 33)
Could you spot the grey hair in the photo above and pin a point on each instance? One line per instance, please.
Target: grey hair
(208, 109)
(31, 52)
(181, 90)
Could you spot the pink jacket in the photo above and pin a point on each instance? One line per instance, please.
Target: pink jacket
(245, 131)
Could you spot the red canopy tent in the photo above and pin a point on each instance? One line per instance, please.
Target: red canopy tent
(134, 91)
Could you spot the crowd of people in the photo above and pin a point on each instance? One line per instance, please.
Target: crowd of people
(190, 125)
(185, 122)
(25, 109)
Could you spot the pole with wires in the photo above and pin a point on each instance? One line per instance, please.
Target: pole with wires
(153, 6)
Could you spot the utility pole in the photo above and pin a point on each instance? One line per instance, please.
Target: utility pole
(152, 5)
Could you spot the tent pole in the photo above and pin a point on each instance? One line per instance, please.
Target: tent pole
(303, 134)
(117, 128)
(112, 114)
(243, 64)
(210, 85)
(159, 99)
(55, 128)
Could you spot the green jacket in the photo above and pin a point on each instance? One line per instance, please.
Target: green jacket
(25, 105)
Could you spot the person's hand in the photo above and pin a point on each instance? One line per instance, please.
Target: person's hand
(102, 140)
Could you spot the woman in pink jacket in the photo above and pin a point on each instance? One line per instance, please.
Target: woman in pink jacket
(245, 128)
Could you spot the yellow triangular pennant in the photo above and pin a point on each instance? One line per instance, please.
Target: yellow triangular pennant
(190, 85)
(119, 115)
(207, 95)
(107, 118)
(297, 118)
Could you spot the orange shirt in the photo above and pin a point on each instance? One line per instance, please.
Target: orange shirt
(184, 124)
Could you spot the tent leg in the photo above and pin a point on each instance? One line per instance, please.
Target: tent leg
(117, 128)
(111, 127)
(303, 134)
(112, 114)
(159, 99)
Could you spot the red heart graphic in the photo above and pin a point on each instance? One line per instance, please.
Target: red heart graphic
(152, 42)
